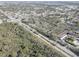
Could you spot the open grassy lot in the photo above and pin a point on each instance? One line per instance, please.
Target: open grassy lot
(17, 42)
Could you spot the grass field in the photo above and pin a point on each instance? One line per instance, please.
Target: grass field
(17, 42)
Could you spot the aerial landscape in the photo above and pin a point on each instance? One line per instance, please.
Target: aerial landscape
(39, 28)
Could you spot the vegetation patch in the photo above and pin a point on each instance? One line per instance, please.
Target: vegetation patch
(17, 42)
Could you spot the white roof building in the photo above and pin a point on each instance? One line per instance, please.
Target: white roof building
(62, 35)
